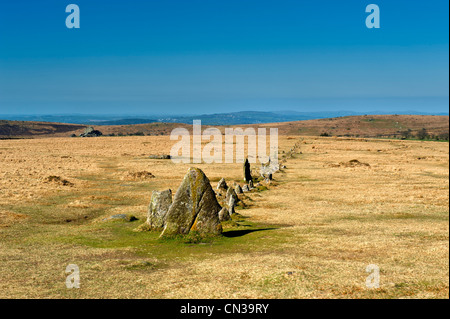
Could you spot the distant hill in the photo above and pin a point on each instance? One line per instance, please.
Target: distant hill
(17, 129)
(80, 119)
(238, 118)
(122, 122)
(233, 118)
(393, 126)
(253, 117)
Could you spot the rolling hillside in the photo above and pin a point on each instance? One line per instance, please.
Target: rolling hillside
(26, 129)
(394, 126)
(367, 126)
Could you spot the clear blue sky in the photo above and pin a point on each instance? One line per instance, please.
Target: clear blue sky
(192, 56)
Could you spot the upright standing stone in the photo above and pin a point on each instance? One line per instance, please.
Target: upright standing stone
(158, 209)
(231, 193)
(247, 171)
(224, 215)
(195, 207)
(222, 185)
(231, 205)
(238, 189)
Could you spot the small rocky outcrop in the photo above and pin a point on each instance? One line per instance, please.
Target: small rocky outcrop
(90, 132)
(194, 208)
(238, 189)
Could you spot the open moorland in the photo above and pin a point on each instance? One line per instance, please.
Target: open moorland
(339, 205)
(388, 126)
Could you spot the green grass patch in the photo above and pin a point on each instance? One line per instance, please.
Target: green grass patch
(239, 235)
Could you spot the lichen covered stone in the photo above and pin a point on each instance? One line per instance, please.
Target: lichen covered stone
(194, 208)
(158, 209)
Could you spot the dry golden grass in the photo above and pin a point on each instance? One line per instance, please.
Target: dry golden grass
(9, 218)
(319, 224)
(365, 125)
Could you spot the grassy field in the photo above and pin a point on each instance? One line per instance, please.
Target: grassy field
(310, 235)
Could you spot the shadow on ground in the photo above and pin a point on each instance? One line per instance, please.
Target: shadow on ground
(239, 233)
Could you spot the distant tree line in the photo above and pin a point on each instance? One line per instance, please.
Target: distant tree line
(135, 134)
(422, 134)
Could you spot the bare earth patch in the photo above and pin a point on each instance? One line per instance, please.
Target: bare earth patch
(57, 180)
